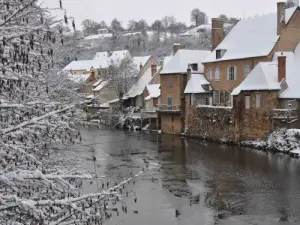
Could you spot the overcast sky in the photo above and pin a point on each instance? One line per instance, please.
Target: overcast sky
(151, 10)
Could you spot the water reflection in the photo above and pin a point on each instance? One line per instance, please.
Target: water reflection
(205, 182)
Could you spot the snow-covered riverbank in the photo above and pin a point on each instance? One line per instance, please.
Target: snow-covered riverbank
(283, 140)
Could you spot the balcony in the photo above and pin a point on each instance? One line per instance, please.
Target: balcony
(169, 108)
(285, 114)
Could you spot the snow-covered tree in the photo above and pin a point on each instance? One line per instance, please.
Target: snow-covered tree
(36, 108)
(292, 3)
(198, 17)
(120, 74)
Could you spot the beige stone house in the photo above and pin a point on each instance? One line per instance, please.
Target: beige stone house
(268, 97)
(250, 42)
(173, 80)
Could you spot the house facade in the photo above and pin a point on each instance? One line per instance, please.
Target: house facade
(269, 97)
(173, 79)
(250, 42)
(147, 69)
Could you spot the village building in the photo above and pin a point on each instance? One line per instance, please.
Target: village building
(269, 96)
(173, 80)
(250, 42)
(147, 68)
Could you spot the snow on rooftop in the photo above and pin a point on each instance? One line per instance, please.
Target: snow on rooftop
(139, 87)
(179, 62)
(167, 59)
(79, 78)
(262, 77)
(265, 76)
(140, 60)
(194, 85)
(154, 91)
(251, 37)
(100, 85)
(85, 65)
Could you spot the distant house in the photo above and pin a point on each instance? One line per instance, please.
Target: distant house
(147, 67)
(250, 42)
(269, 96)
(174, 79)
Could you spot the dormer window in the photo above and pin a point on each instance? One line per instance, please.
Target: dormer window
(194, 66)
(220, 53)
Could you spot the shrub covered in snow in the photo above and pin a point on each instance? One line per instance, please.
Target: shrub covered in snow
(282, 140)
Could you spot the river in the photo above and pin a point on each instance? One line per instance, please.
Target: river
(189, 181)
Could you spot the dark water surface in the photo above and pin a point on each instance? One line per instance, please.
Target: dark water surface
(206, 183)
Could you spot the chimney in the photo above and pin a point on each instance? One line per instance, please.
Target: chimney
(153, 69)
(161, 62)
(141, 66)
(217, 32)
(176, 47)
(281, 68)
(280, 17)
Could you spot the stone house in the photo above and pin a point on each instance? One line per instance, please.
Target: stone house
(147, 70)
(173, 79)
(198, 90)
(250, 42)
(268, 97)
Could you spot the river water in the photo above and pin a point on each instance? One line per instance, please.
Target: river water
(189, 182)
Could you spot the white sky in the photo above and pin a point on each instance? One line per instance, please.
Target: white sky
(151, 10)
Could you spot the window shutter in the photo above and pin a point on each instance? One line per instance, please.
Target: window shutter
(228, 72)
(235, 73)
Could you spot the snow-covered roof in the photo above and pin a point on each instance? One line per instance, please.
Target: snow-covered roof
(265, 76)
(86, 65)
(194, 85)
(262, 77)
(79, 78)
(139, 87)
(138, 60)
(253, 37)
(101, 85)
(154, 91)
(179, 62)
(167, 59)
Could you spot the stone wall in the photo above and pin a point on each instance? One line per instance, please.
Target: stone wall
(254, 123)
(208, 122)
(171, 123)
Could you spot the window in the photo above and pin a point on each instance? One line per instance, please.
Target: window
(246, 70)
(257, 100)
(216, 97)
(247, 101)
(231, 73)
(210, 76)
(194, 66)
(218, 54)
(170, 82)
(217, 74)
(207, 101)
(169, 101)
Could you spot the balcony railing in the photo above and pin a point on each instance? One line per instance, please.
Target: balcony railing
(173, 108)
(285, 114)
